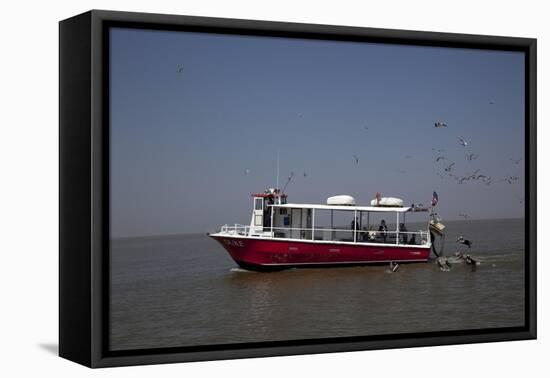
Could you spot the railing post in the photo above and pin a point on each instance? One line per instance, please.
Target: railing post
(272, 212)
(397, 228)
(313, 224)
(332, 233)
(355, 226)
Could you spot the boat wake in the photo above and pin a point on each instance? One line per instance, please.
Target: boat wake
(239, 270)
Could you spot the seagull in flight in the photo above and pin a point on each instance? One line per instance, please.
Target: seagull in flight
(461, 240)
(443, 265)
(440, 158)
(180, 69)
(288, 181)
(449, 167)
(471, 157)
(510, 179)
(356, 159)
(246, 171)
(394, 267)
(440, 124)
(463, 143)
(520, 199)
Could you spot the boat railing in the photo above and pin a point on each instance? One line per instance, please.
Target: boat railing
(236, 229)
(349, 235)
(420, 237)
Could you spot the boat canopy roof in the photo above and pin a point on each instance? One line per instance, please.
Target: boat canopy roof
(373, 209)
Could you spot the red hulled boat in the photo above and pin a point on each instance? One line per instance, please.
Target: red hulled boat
(283, 235)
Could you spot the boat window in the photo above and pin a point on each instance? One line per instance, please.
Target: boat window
(258, 204)
(282, 211)
(258, 220)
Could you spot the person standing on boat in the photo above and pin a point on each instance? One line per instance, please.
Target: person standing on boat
(403, 229)
(353, 223)
(383, 229)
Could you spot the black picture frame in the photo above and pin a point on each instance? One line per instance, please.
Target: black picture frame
(84, 188)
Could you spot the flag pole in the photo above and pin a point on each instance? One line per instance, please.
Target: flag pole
(277, 187)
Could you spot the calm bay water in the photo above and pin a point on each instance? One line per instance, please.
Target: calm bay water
(185, 290)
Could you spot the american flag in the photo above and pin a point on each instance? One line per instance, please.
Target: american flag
(435, 199)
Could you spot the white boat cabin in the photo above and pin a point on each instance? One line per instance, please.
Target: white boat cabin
(274, 217)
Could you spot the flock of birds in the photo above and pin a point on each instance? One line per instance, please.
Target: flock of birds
(442, 161)
(445, 263)
(449, 165)
(448, 170)
(445, 167)
(440, 158)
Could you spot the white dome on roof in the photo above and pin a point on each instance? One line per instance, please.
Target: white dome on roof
(342, 200)
(387, 201)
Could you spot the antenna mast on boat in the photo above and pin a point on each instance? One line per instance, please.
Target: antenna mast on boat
(278, 199)
(277, 187)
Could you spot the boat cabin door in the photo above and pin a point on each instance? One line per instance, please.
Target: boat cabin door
(258, 215)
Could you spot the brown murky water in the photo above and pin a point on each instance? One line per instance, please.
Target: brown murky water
(185, 290)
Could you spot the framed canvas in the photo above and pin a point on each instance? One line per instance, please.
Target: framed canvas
(234, 188)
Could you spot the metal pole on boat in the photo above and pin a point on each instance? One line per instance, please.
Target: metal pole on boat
(397, 228)
(272, 212)
(313, 224)
(332, 225)
(277, 187)
(355, 226)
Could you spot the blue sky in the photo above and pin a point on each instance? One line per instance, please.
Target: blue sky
(181, 142)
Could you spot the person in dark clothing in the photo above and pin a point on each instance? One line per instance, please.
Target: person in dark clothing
(404, 236)
(383, 230)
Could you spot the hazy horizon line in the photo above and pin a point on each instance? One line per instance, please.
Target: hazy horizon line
(119, 238)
